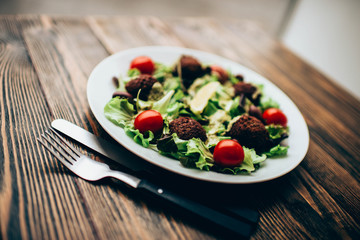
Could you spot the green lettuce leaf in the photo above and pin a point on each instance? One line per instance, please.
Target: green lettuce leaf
(133, 72)
(139, 138)
(251, 154)
(173, 83)
(192, 153)
(166, 128)
(233, 109)
(180, 143)
(161, 71)
(119, 111)
(216, 122)
(211, 108)
(276, 131)
(179, 94)
(162, 105)
(267, 102)
(232, 78)
(196, 149)
(251, 159)
(278, 150)
(223, 93)
(174, 109)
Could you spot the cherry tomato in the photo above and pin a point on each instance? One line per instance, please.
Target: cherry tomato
(274, 116)
(218, 69)
(222, 74)
(228, 153)
(149, 120)
(143, 64)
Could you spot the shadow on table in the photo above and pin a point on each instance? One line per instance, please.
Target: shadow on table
(252, 197)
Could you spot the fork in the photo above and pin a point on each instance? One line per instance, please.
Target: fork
(82, 165)
(92, 170)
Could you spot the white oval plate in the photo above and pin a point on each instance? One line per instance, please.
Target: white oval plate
(100, 89)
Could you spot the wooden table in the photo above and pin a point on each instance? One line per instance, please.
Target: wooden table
(44, 65)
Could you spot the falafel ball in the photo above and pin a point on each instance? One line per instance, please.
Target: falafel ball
(143, 82)
(250, 132)
(248, 90)
(187, 128)
(190, 70)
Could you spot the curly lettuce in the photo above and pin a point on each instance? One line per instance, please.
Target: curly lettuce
(142, 139)
(276, 131)
(277, 151)
(119, 111)
(192, 153)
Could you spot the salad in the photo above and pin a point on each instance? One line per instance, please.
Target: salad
(202, 115)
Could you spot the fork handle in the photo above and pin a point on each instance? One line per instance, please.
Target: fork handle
(226, 222)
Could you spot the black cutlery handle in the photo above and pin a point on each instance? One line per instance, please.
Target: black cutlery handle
(226, 222)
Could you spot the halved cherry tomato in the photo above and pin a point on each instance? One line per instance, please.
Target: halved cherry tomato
(228, 153)
(274, 116)
(149, 120)
(144, 64)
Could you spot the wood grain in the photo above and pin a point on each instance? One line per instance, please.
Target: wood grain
(44, 65)
(35, 190)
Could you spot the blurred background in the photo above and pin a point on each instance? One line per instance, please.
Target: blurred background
(325, 33)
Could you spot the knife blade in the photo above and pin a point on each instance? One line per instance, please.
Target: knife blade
(223, 220)
(119, 154)
(115, 152)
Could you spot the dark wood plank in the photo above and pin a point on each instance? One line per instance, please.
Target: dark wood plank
(37, 200)
(119, 33)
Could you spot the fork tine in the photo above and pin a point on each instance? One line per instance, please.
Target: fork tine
(62, 146)
(66, 143)
(69, 158)
(67, 164)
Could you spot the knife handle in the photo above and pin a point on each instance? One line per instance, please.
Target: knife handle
(226, 222)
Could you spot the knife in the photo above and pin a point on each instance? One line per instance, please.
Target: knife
(119, 154)
(115, 152)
